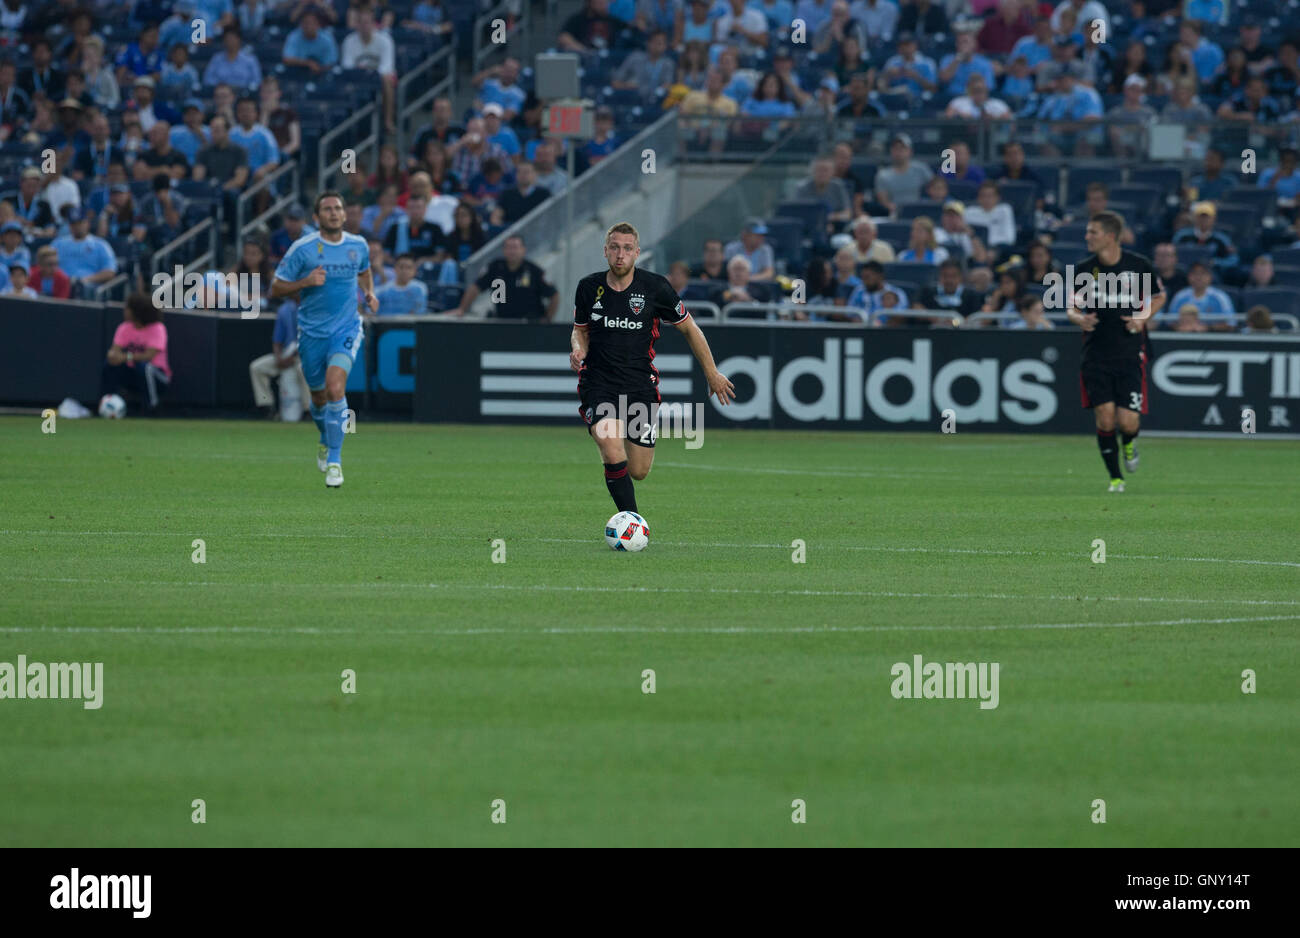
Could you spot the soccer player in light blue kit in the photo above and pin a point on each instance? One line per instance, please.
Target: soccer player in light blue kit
(327, 266)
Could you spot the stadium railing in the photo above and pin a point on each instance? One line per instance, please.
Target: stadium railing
(695, 307)
(545, 227)
(186, 244)
(419, 77)
(327, 166)
(115, 289)
(977, 320)
(288, 195)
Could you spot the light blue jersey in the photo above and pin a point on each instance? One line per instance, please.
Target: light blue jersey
(325, 310)
(410, 300)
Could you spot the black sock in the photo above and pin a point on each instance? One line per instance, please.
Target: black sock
(1127, 438)
(619, 483)
(1109, 452)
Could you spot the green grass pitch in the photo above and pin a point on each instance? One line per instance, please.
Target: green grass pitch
(522, 680)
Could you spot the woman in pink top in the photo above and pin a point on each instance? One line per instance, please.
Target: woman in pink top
(137, 359)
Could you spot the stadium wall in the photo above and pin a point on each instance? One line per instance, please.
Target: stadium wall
(787, 376)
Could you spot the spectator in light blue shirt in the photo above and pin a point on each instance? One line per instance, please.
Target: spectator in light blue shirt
(1207, 11)
(234, 65)
(1285, 179)
(956, 68)
(779, 13)
(216, 14)
(179, 79)
(263, 151)
(1037, 47)
(403, 296)
(309, 46)
(192, 135)
(1213, 305)
(82, 255)
(770, 99)
(910, 71)
(498, 132)
(502, 89)
(1206, 56)
(816, 13)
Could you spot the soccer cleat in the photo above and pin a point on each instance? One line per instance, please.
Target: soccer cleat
(334, 476)
(1116, 485)
(1130, 457)
(322, 456)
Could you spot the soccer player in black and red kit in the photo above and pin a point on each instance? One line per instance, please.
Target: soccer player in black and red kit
(616, 316)
(1126, 293)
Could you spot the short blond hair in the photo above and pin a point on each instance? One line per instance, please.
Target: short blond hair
(622, 228)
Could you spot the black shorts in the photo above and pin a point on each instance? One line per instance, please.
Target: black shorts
(639, 410)
(1123, 383)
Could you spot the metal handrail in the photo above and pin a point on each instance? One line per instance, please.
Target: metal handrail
(108, 286)
(207, 258)
(242, 227)
(704, 306)
(446, 87)
(326, 167)
(975, 318)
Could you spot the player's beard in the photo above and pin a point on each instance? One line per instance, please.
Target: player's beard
(618, 271)
(329, 232)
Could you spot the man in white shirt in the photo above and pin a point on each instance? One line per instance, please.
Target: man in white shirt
(994, 214)
(373, 50)
(741, 25)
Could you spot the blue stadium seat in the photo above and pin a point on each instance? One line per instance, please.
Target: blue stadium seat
(1242, 224)
(910, 210)
(786, 237)
(1189, 254)
(699, 291)
(1286, 257)
(1021, 196)
(812, 214)
(1277, 299)
(920, 275)
(895, 233)
(1050, 174)
(445, 297)
(1073, 232)
(962, 190)
(866, 171)
(1263, 201)
(1070, 252)
(1147, 200)
(1081, 176)
(1286, 276)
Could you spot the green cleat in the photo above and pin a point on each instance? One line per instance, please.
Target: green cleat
(1130, 457)
(1116, 485)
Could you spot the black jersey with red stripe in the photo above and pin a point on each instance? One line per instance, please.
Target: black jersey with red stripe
(622, 326)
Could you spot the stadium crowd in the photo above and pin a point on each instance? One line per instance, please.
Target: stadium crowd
(149, 129)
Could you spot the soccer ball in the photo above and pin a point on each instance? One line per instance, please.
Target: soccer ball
(627, 531)
(112, 406)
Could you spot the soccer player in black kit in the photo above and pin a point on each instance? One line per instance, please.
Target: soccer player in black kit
(616, 316)
(1125, 293)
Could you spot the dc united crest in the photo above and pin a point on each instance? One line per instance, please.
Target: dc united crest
(637, 303)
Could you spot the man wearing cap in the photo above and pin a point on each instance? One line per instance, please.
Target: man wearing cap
(908, 71)
(150, 110)
(191, 136)
(85, 258)
(1071, 108)
(236, 65)
(293, 226)
(69, 133)
(903, 179)
(499, 132)
(822, 186)
(12, 249)
(1214, 306)
(1127, 122)
(753, 247)
(1202, 234)
(17, 284)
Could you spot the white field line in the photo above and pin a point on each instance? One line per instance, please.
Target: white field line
(610, 630)
(690, 590)
(486, 539)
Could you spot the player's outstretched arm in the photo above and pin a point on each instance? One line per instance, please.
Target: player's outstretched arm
(718, 383)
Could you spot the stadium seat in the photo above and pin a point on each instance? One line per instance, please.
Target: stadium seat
(1079, 178)
(962, 190)
(785, 234)
(1073, 232)
(1242, 224)
(1286, 276)
(1070, 252)
(1147, 199)
(866, 171)
(895, 233)
(699, 291)
(1263, 201)
(1286, 257)
(812, 214)
(1277, 299)
(1189, 254)
(910, 210)
(920, 275)
(1021, 196)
